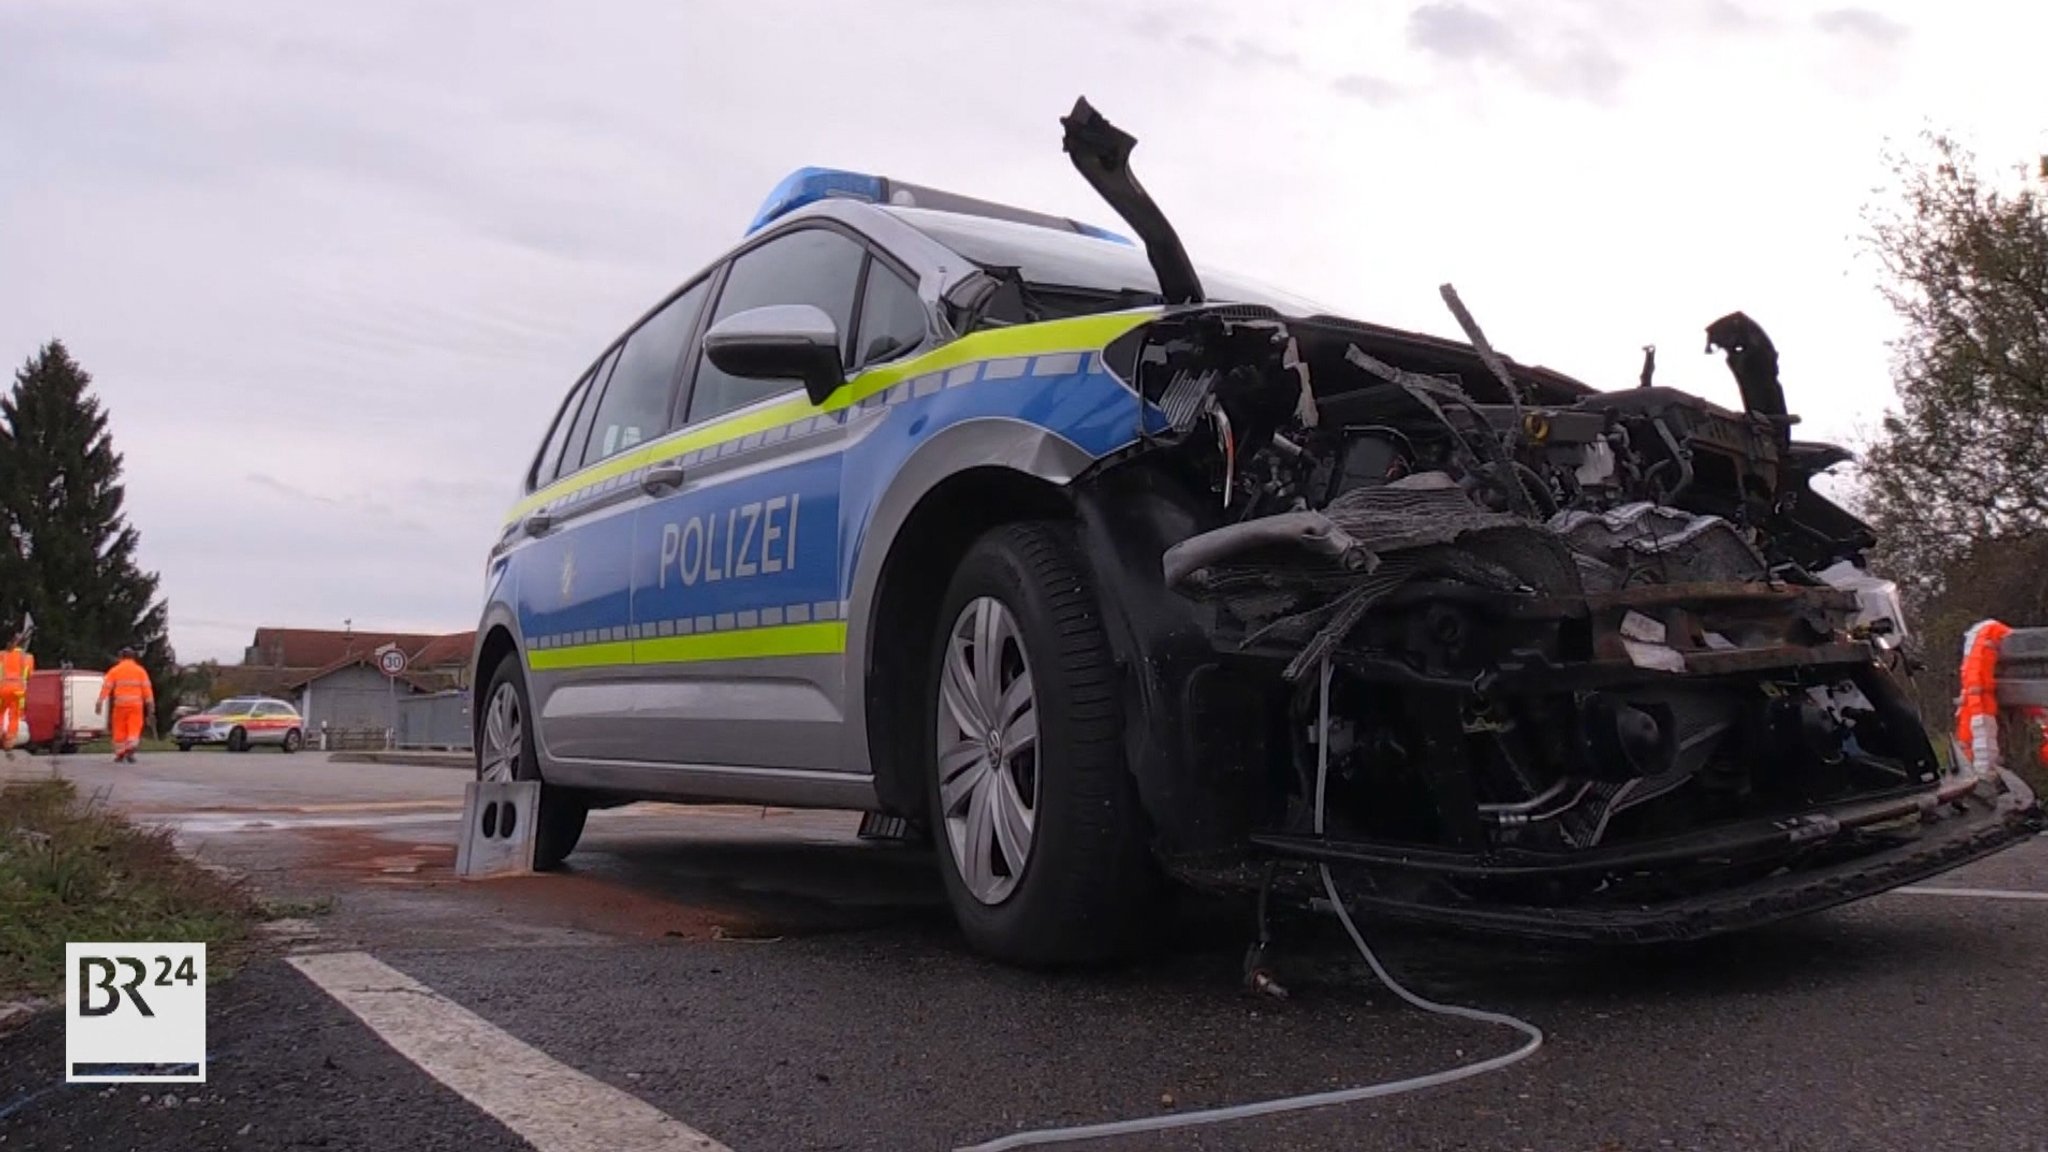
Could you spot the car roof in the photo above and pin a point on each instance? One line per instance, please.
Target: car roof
(973, 237)
(917, 251)
(918, 238)
(810, 185)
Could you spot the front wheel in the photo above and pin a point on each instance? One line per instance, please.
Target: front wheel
(1043, 843)
(238, 741)
(505, 752)
(184, 745)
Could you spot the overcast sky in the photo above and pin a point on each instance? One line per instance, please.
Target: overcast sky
(332, 266)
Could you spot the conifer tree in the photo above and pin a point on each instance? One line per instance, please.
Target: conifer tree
(67, 553)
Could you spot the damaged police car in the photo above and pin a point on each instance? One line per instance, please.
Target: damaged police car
(1107, 575)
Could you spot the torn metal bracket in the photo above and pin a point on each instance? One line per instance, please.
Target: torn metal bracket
(1487, 355)
(1425, 391)
(1101, 152)
(1752, 360)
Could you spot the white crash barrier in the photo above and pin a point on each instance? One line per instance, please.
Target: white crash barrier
(498, 821)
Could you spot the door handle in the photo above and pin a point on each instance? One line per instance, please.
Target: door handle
(661, 478)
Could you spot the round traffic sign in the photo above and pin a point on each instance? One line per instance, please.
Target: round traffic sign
(391, 661)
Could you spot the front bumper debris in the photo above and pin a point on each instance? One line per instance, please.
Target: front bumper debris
(1685, 888)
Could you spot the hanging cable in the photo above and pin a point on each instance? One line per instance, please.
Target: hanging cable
(1318, 1099)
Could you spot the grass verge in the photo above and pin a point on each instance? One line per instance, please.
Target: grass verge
(106, 747)
(73, 870)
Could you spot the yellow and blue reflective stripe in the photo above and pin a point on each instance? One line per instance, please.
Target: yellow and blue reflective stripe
(1063, 387)
(817, 629)
(826, 638)
(1055, 347)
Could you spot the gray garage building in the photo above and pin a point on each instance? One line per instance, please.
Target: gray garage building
(333, 678)
(353, 697)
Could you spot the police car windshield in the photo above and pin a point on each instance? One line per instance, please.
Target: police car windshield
(237, 705)
(1050, 258)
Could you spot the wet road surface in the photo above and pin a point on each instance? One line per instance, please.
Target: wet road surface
(774, 983)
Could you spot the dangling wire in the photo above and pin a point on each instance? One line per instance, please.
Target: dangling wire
(1318, 1099)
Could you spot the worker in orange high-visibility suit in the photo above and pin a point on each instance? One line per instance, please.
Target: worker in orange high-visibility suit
(1977, 711)
(15, 667)
(127, 685)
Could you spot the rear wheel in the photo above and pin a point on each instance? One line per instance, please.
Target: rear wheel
(184, 745)
(293, 741)
(506, 752)
(1042, 840)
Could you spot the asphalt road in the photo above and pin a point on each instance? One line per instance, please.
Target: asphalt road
(770, 981)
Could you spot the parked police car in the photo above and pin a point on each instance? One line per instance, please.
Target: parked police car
(997, 524)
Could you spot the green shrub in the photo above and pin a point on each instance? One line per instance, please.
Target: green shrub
(73, 870)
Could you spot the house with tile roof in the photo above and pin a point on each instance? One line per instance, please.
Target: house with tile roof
(307, 648)
(333, 678)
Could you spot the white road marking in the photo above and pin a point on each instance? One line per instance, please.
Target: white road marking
(1979, 893)
(548, 1104)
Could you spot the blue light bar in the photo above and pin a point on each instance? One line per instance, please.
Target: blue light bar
(810, 185)
(1103, 234)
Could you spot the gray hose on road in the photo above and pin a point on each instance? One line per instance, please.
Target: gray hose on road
(1318, 1099)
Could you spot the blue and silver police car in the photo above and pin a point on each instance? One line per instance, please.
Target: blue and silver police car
(1103, 573)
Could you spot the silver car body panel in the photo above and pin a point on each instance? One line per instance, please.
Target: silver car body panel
(1014, 445)
(660, 659)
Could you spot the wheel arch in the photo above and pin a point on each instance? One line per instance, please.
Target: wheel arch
(971, 478)
(496, 639)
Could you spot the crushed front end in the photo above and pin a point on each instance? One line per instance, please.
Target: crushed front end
(1505, 651)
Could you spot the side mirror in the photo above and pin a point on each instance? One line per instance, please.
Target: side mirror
(780, 342)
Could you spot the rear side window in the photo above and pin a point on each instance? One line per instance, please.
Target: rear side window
(549, 465)
(579, 432)
(637, 399)
(815, 266)
(892, 318)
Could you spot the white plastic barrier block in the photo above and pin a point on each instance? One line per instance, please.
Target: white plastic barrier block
(498, 822)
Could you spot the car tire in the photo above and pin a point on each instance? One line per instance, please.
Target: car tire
(238, 741)
(293, 741)
(503, 721)
(1088, 888)
(184, 746)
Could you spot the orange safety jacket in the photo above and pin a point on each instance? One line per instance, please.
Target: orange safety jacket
(128, 685)
(15, 667)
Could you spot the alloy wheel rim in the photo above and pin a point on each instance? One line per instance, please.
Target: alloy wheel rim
(504, 738)
(988, 750)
